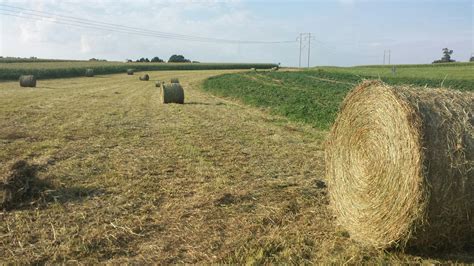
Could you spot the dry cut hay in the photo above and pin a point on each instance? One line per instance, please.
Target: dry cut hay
(400, 166)
(130, 71)
(144, 77)
(172, 93)
(14, 184)
(174, 80)
(27, 81)
(89, 72)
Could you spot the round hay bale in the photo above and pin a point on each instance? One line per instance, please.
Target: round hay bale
(253, 69)
(400, 166)
(174, 80)
(144, 77)
(130, 71)
(158, 83)
(89, 72)
(27, 81)
(172, 93)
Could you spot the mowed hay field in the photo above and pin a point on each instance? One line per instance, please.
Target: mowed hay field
(125, 178)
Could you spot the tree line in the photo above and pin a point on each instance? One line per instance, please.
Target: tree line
(173, 59)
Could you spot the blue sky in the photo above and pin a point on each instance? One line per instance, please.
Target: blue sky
(346, 32)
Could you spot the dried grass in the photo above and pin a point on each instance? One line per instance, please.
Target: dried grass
(18, 182)
(400, 166)
(174, 80)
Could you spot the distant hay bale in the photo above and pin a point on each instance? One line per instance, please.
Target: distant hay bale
(130, 71)
(144, 77)
(253, 69)
(159, 83)
(172, 93)
(400, 166)
(89, 72)
(27, 81)
(174, 80)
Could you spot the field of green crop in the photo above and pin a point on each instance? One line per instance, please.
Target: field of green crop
(64, 69)
(433, 75)
(313, 96)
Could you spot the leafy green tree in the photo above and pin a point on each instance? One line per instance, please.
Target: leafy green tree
(446, 56)
(156, 59)
(178, 59)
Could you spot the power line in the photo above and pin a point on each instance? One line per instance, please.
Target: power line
(92, 24)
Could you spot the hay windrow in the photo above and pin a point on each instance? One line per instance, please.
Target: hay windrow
(172, 93)
(27, 81)
(400, 166)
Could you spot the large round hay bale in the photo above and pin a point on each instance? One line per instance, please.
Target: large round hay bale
(172, 93)
(144, 77)
(27, 81)
(130, 71)
(89, 72)
(400, 166)
(174, 80)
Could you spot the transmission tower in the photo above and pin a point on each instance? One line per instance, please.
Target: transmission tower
(305, 44)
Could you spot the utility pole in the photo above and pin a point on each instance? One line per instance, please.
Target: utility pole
(309, 46)
(384, 51)
(389, 54)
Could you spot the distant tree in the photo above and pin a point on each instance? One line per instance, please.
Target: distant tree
(141, 60)
(472, 59)
(178, 59)
(156, 59)
(128, 60)
(147, 60)
(195, 62)
(446, 56)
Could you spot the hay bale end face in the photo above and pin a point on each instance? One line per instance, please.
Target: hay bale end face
(144, 77)
(130, 71)
(89, 72)
(28, 81)
(172, 93)
(400, 166)
(174, 80)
